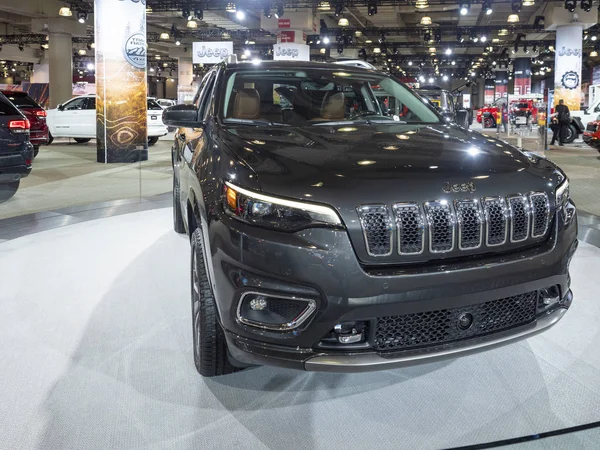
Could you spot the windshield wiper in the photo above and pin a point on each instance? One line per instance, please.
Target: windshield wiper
(255, 122)
(359, 122)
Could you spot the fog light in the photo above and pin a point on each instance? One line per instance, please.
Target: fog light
(549, 297)
(349, 332)
(258, 303)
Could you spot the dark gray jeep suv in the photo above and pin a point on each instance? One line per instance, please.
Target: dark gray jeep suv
(330, 234)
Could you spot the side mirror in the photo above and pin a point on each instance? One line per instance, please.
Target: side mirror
(60, 107)
(185, 116)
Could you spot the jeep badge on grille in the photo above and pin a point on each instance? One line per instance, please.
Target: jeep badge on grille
(459, 187)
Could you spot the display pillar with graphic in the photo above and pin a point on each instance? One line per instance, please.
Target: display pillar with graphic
(121, 86)
(522, 70)
(567, 65)
(488, 91)
(501, 84)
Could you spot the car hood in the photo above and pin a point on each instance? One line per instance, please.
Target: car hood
(384, 163)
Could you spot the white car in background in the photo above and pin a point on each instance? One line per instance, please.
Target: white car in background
(76, 119)
(165, 102)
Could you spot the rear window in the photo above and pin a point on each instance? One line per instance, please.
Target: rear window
(6, 107)
(153, 106)
(21, 100)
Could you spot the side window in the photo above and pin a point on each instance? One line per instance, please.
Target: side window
(75, 104)
(91, 103)
(198, 97)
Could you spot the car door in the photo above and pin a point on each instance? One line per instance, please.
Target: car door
(65, 120)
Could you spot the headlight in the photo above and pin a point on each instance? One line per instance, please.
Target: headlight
(562, 195)
(277, 213)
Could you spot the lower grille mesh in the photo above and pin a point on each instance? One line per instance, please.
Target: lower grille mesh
(441, 326)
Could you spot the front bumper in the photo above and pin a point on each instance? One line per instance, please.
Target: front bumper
(321, 264)
(157, 130)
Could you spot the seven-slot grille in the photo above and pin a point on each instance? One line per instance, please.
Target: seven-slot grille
(414, 330)
(441, 226)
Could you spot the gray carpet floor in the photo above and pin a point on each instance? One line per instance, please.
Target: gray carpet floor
(95, 353)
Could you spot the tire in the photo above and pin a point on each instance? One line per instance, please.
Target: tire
(7, 190)
(152, 140)
(50, 139)
(36, 150)
(178, 224)
(82, 140)
(487, 123)
(570, 134)
(210, 347)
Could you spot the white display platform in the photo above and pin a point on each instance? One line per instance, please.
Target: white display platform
(96, 353)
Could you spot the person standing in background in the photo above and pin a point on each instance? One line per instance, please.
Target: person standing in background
(563, 117)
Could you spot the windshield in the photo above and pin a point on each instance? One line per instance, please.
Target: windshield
(21, 100)
(319, 96)
(152, 105)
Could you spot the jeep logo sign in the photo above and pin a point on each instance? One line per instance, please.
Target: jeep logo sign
(211, 52)
(291, 52)
(458, 187)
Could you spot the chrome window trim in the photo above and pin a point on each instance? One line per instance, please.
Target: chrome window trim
(429, 227)
(364, 229)
(304, 315)
(398, 206)
(527, 207)
(460, 224)
(533, 213)
(505, 213)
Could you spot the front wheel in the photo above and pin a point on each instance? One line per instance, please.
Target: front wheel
(152, 140)
(210, 347)
(570, 134)
(82, 140)
(7, 190)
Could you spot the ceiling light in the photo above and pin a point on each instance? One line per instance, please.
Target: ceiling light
(82, 51)
(372, 8)
(495, 40)
(326, 40)
(164, 35)
(82, 16)
(594, 37)
(503, 32)
(445, 78)
(376, 50)
(586, 5)
(358, 33)
(279, 11)
(21, 47)
(425, 20)
(230, 7)
(513, 18)
(199, 13)
(240, 15)
(368, 41)
(343, 22)
(151, 69)
(431, 49)
(177, 42)
(483, 38)
(453, 63)
(93, 45)
(421, 78)
(422, 4)
(516, 6)
(322, 51)
(427, 37)
(448, 51)
(528, 2)
(192, 24)
(157, 57)
(487, 7)
(339, 9)
(90, 66)
(570, 5)
(410, 63)
(323, 6)
(65, 11)
(459, 37)
(593, 53)
(464, 8)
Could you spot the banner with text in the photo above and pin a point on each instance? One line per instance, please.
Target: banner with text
(522, 69)
(291, 52)
(488, 92)
(121, 101)
(211, 52)
(567, 65)
(501, 84)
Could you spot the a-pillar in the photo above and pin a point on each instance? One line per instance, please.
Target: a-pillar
(567, 60)
(60, 55)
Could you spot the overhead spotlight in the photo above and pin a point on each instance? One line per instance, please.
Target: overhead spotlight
(65, 11)
(82, 16)
(570, 5)
(362, 53)
(343, 22)
(340, 49)
(186, 14)
(516, 6)
(339, 9)
(474, 36)
(82, 51)
(372, 8)
(21, 47)
(586, 5)
(192, 24)
(534, 48)
(395, 50)
(526, 50)
(89, 47)
(323, 6)
(487, 7)
(427, 36)
(453, 63)
(199, 13)
(326, 40)
(240, 15)
(515, 49)
(421, 4)
(464, 8)
(382, 38)
(459, 36)
(230, 7)
(267, 12)
(177, 42)
(410, 63)
(513, 18)
(539, 23)
(90, 66)
(93, 45)
(528, 2)
(594, 37)
(164, 35)
(448, 51)
(445, 78)
(279, 11)
(421, 78)
(483, 38)
(438, 35)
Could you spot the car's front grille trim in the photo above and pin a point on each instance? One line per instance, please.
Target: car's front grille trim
(410, 228)
(440, 226)
(377, 229)
(540, 207)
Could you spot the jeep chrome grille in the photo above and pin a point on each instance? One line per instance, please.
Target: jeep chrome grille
(442, 227)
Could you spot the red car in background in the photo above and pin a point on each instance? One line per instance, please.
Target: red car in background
(488, 115)
(591, 135)
(38, 133)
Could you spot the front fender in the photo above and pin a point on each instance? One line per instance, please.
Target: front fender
(576, 122)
